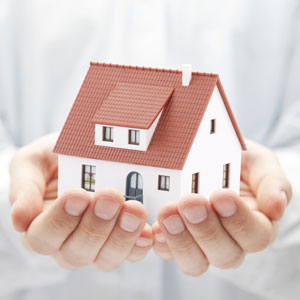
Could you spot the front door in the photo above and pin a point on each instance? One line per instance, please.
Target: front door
(134, 187)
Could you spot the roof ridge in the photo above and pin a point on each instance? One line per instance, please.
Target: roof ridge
(149, 69)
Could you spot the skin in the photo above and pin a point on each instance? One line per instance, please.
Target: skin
(76, 240)
(221, 239)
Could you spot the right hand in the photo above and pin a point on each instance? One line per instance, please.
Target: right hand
(76, 228)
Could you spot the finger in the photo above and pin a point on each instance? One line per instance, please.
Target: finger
(142, 245)
(188, 255)
(160, 245)
(272, 195)
(261, 169)
(206, 229)
(129, 226)
(83, 245)
(252, 230)
(50, 229)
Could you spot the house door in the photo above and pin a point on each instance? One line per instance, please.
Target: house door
(134, 187)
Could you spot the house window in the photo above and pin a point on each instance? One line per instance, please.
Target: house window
(88, 177)
(107, 135)
(134, 137)
(195, 183)
(212, 126)
(225, 183)
(164, 183)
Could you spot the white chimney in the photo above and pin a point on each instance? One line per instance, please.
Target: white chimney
(186, 74)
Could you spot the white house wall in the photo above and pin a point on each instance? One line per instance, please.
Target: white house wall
(210, 152)
(120, 136)
(114, 174)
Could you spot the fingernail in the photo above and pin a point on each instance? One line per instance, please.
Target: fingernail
(106, 208)
(129, 222)
(195, 214)
(174, 224)
(225, 207)
(143, 242)
(285, 199)
(160, 238)
(75, 206)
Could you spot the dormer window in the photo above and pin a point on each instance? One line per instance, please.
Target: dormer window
(128, 116)
(107, 135)
(133, 137)
(212, 126)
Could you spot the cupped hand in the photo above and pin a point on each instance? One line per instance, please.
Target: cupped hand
(77, 229)
(197, 232)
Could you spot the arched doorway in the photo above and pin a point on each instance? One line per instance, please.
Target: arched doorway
(134, 187)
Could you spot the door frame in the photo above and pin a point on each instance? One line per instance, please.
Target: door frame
(128, 179)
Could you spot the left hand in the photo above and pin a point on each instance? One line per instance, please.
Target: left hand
(197, 233)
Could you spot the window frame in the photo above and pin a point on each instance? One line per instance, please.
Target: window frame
(195, 183)
(110, 130)
(136, 134)
(212, 126)
(161, 179)
(226, 172)
(92, 175)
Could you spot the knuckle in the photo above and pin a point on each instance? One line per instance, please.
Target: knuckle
(92, 234)
(74, 260)
(163, 252)
(259, 244)
(239, 225)
(208, 235)
(57, 223)
(231, 262)
(39, 244)
(137, 254)
(120, 243)
(184, 247)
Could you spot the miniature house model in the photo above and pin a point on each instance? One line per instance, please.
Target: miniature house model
(153, 134)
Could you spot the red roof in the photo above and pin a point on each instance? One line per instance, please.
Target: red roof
(175, 131)
(133, 105)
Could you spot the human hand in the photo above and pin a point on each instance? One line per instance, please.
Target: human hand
(76, 229)
(197, 233)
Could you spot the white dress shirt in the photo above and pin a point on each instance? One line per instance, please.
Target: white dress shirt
(254, 45)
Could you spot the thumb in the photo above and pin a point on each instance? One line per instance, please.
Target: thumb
(262, 171)
(27, 187)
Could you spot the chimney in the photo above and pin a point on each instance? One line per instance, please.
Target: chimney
(186, 74)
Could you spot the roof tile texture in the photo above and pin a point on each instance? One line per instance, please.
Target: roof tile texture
(175, 130)
(133, 105)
